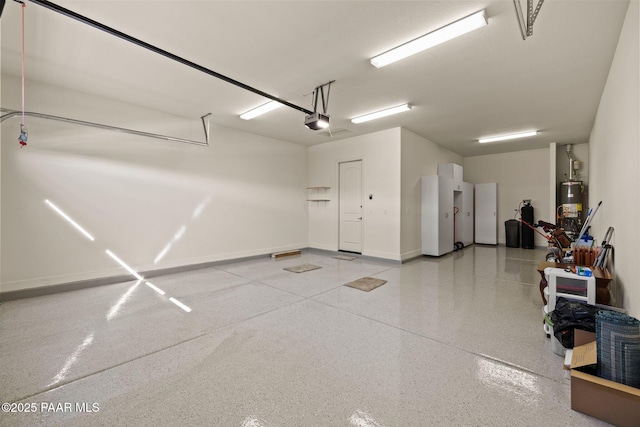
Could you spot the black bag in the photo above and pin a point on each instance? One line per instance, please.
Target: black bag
(570, 315)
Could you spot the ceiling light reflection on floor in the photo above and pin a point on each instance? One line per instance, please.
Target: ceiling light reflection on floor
(251, 422)
(155, 288)
(513, 381)
(179, 304)
(126, 267)
(113, 312)
(163, 252)
(198, 210)
(362, 419)
(62, 374)
(176, 237)
(69, 220)
(182, 230)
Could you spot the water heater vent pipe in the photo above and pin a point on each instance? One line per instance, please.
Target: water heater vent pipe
(572, 172)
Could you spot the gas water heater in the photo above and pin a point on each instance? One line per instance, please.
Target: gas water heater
(571, 199)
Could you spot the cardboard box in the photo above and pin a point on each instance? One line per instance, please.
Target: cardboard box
(606, 400)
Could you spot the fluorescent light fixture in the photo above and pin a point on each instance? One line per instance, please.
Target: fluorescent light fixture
(382, 113)
(179, 304)
(434, 38)
(126, 267)
(155, 288)
(258, 111)
(69, 220)
(509, 136)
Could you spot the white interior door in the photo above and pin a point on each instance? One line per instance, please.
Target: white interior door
(486, 201)
(350, 206)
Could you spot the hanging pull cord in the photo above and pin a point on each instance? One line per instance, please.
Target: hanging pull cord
(22, 139)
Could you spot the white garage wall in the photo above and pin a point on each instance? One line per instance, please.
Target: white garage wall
(614, 154)
(520, 175)
(420, 157)
(138, 197)
(380, 155)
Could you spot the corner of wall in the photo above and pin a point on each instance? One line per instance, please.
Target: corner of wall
(614, 154)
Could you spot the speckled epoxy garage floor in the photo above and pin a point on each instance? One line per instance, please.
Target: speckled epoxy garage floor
(450, 341)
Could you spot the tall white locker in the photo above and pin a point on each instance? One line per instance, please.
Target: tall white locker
(437, 215)
(467, 214)
(463, 201)
(486, 214)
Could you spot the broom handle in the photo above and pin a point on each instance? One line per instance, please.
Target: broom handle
(587, 223)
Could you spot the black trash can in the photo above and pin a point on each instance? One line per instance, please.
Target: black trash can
(512, 230)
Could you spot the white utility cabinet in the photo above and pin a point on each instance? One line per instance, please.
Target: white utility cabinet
(442, 196)
(465, 216)
(453, 171)
(437, 215)
(486, 214)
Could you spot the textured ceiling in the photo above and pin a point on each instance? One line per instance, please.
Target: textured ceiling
(487, 82)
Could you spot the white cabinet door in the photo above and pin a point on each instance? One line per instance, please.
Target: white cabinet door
(437, 215)
(466, 215)
(445, 223)
(486, 202)
(429, 215)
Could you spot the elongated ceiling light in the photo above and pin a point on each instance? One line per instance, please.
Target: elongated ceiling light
(434, 38)
(258, 111)
(509, 136)
(382, 113)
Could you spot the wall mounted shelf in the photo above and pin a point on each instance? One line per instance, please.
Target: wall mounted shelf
(318, 194)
